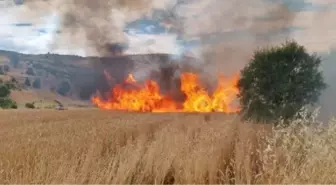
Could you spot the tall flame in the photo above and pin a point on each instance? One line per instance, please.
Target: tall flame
(147, 97)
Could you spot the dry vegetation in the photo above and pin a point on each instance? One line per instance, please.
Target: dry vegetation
(45, 99)
(92, 146)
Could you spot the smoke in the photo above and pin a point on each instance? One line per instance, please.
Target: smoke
(228, 31)
(217, 25)
(241, 29)
(91, 25)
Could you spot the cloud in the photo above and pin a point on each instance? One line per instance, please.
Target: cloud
(324, 2)
(147, 43)
(209, 22)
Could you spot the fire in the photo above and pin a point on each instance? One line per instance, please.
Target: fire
(130, 79)
(147, 97)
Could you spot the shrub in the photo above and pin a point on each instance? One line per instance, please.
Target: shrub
(278, 82)
(30, 105)
(27, 82)
(37, 83)
(64, 88)
(14, 59)
(6, 68)
(12, 84)
(1, 71)
(7, 103)
(4, 91)
(30, 71)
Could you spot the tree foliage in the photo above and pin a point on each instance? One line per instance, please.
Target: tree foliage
(30, 105)
(27, 82)
(279, 81)
(6, 68)
(5, 90)
(14, 59)
(64, 88)
(30, 71)
(37, 83)
(7, 103)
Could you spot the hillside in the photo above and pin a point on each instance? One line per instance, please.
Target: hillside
(75, 78)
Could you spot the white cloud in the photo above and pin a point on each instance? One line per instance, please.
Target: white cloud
(146, 43)
(201, 17)
(27, 39)
(322, 2)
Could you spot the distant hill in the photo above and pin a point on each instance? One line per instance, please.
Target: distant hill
(77, 78)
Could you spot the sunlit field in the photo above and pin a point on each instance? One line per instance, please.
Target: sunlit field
(94, 146)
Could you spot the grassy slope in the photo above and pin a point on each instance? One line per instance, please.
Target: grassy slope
(92, 146)
(50, 63)
(45, 99)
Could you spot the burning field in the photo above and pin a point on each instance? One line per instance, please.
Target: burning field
(148, 97)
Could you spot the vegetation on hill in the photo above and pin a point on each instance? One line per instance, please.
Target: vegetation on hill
(64, 88)
(5, 90)
(30, 105)
(37, 83)
(27, 82)
(280, 81)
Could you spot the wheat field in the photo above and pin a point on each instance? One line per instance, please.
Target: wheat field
(102, 147)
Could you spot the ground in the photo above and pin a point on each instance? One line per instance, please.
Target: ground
(94, 146)
(45, 99)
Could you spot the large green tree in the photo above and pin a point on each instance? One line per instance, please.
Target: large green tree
(279, 81)
(5, 101)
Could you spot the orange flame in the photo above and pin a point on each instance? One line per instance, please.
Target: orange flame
(147, 97)
(130, 79)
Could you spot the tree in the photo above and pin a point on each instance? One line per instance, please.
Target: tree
(30, 105)
(12, 84)
(64, 88)
(5, 101)
(27, 82)
(4, 91)
(14, 59)
(278, 82)
(1, 71)
(6, 68)
(37, 83)
(30, 71)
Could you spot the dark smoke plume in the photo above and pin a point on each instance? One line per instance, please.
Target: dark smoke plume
(229, 31)
(91, 24)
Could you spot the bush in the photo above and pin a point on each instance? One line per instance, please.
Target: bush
(6, 68)
(64, 88)
(27, 82)
(278, 82)
(30, 105)
(14, 59)
(7, 103)
(37, 83)
(12, 84)
(4, 91)
(30, 71)
(1, 71)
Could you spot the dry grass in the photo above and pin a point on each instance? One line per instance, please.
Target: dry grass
(44, 99)
(92, 146)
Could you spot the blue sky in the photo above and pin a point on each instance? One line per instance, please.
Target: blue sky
(152, 34)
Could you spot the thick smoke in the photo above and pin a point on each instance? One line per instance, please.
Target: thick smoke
(228, 31)
(92, 25)
(254, 25)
